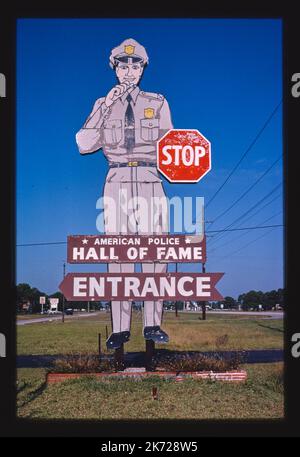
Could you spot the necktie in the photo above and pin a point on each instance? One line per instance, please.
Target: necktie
(129, 126)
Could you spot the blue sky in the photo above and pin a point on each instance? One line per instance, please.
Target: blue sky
(220, 76)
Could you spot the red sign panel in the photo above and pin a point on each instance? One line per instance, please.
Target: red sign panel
(136, 248)
(183, 155)
(141, 286)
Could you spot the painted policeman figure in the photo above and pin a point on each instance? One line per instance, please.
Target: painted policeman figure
(126, 124)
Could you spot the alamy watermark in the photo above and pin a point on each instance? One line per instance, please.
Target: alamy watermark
(296, 347)
(2, 85)
(2, 345)
(296, 87)
(120, 213)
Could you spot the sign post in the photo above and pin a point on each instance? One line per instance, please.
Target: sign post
(150, 348)
(42, 302)
(63, 300)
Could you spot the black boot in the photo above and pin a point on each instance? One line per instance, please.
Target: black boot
(155, 334)
(117, 339)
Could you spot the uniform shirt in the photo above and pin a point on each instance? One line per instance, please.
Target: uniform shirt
(104, 129)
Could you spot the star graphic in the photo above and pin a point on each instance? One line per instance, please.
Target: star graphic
(188, 240)
(85, 241)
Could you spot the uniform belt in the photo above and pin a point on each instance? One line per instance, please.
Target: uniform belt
(132, 164)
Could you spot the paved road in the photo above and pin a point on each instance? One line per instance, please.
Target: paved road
(55, 318)
(269, 314)
(265, 314)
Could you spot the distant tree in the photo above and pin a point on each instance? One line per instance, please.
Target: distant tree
(271, 299)
(281, 297)
(241, 299)
(268, 300)
(57, 294)
(23, 292)
(179, 304)
(251, 300)
(229, 303)
(31, 295)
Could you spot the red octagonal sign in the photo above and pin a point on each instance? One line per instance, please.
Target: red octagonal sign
(183, 155)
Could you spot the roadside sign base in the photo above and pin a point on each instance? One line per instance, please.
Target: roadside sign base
(150, 349)
(235, 376)
(119, 361)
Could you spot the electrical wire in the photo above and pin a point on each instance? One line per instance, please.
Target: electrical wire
(245, 153)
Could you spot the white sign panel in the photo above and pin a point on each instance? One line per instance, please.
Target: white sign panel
(54, 304)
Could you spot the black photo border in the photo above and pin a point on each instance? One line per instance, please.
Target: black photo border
(12, 426)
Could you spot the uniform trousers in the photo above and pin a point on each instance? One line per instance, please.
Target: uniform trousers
(135, 208)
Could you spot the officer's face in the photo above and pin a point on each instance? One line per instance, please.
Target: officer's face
(129, 72)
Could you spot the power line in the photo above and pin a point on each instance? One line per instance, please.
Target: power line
(253, 207)
(248, 230)
(247, 191)
(42, 244)
(239, 162)
(209, 231)
(250, 217)
(245, 153)
(248, 244)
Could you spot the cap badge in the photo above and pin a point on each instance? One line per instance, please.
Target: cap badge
(129, 49)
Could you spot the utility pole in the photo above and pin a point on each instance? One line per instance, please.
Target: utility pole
(63, 303)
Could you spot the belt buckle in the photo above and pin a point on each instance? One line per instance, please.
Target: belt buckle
(132, 164)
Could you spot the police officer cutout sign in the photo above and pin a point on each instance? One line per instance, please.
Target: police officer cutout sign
(134, 130)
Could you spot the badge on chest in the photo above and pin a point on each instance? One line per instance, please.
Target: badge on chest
(149, 113)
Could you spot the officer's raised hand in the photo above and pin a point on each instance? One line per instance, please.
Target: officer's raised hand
(117, 92)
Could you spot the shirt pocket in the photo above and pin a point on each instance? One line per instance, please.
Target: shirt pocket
(112, 131)
(150, 129)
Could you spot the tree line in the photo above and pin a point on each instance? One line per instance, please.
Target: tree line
(28, 300)
(255, 300)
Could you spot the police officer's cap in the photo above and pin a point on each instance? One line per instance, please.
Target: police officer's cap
(129, 51)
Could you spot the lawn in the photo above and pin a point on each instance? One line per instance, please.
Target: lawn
(187, 332)
(260, 397)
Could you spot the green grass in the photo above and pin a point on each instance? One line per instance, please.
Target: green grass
(187, 332)
(260, 397)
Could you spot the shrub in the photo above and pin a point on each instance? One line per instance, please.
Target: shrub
(82, 363)
(197, 362)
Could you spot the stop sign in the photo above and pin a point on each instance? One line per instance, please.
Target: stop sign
(183, 155)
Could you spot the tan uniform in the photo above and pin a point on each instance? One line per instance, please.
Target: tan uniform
(105, 129)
